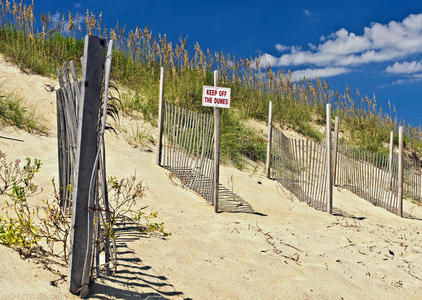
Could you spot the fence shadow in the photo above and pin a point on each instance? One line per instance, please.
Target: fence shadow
(230, 202)
(341, 213)
(133, 279)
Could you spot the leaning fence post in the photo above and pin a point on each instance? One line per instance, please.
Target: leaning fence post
(60, 137)
(269, 139)
(75, 85)
(103, 158)
(92, 76)
(329, 163)
(160, 118)
(216, 148)
(400, 175)
(390, 161)
(336, 121)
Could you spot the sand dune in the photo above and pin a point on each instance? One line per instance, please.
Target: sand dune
(266, 245)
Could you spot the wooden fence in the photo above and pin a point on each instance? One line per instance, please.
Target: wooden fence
(310, 170)
(188, 148)
(301, 167)
(82, 170)
(67, 99)
(368, 175)
(412, 185)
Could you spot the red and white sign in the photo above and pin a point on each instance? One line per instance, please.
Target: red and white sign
(216, 96)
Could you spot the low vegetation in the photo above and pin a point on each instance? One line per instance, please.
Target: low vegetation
(42, 231)
(14, 112)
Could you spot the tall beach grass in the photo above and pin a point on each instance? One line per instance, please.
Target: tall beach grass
(42, 44)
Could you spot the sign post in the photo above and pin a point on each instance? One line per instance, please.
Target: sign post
(216, 147)
(329, 163)
(160, 117)
(400, 175)
(217, 97)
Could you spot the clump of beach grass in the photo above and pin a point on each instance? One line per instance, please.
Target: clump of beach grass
(14, 112)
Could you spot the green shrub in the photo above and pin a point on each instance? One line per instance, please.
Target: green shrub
(14, 113)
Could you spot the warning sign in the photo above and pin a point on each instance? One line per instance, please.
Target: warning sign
(216, 96)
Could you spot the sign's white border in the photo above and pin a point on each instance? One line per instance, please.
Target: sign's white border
(224, 92)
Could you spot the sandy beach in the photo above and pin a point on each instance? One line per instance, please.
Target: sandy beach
(264, 245)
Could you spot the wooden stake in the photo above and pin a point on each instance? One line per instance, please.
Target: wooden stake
(103, 158)
(269, 139)
(390, 161)
(60, 146)
(216, 148)
(329, 163)
(160, 117)
(75, 86)
(92, 75)
(335, 149)
(400, 175)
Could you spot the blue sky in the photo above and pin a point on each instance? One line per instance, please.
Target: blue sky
(375, 46)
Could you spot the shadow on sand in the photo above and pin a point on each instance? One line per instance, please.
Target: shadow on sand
(341, 213)
(133, 279)
(230, 202)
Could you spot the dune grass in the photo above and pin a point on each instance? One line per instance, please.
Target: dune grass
(41, 46)
(13, 112)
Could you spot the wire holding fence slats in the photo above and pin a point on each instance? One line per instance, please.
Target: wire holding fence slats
(367, 174)
(301, 167)
(188, 150)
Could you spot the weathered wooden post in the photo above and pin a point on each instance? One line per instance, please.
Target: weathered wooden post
(216, 148)
(390, 161)
(103, 158)
(92, 76)
(160, 118)
(61, 140)
(400, 175)
(329, 163)
(336, 124)
(93, 199)
(75, 85)
(217, 97)
(269, 139)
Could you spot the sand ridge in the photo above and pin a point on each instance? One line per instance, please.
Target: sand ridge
(266, 245)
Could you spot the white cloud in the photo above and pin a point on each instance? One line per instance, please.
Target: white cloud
(321, 72)
(405, 67)
(409, 78)
(78, 5)
(281, 47)
(55, 18)
(378, 43)
(267, 59)
(307, 12)
(294, 49)
(417, 76)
